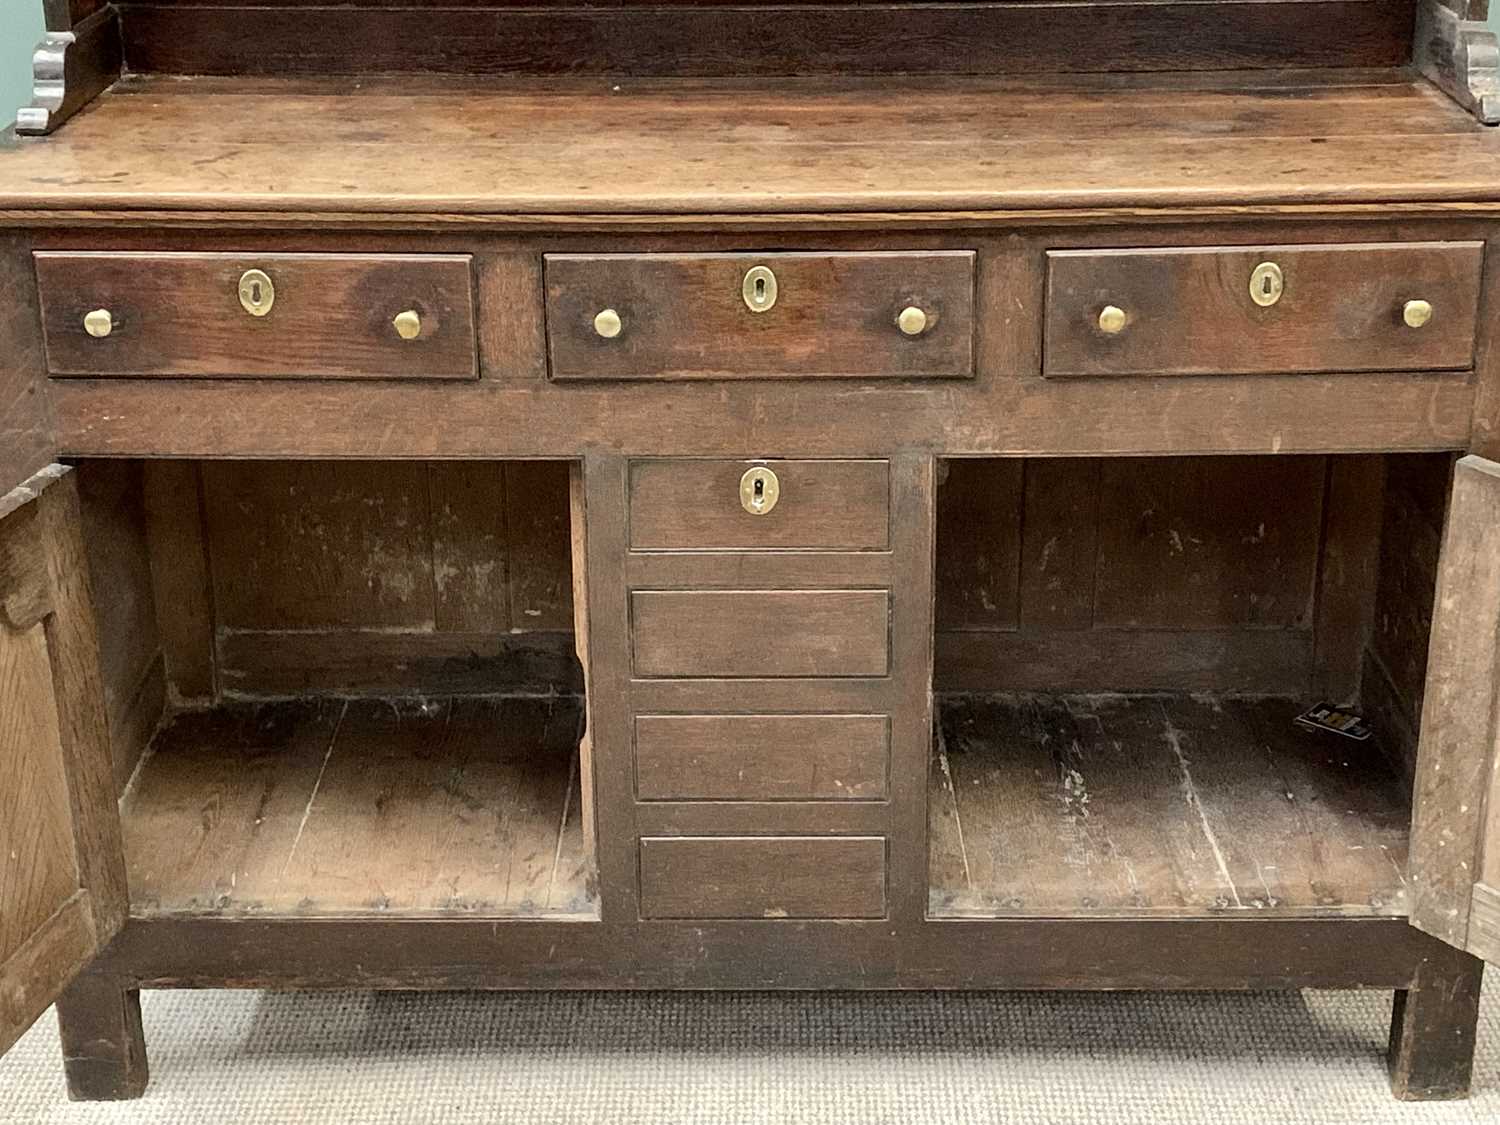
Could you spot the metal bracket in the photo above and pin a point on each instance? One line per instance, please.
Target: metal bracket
(69, 69)
(1456, 51)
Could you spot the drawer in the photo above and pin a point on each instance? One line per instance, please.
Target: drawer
(842, 505)
(761, 757)
(1191, 311)
(763, 877)
(760, 633)
(331, 316)
(690, 316)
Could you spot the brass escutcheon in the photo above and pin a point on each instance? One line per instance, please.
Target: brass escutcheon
(1266, 284)
(257, 293)
(759, 289)
(759, 490)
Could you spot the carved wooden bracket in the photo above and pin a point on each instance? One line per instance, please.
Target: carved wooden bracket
(69, 69)
(1457, 52)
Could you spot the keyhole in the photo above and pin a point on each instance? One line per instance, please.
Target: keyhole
(255, 292)
(1265, 285)
(760, 290)
(758, 490)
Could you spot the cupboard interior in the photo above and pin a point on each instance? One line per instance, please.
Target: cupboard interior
(343, 688)
(1122, 645)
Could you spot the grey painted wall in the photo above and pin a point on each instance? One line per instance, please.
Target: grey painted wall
(21, 27)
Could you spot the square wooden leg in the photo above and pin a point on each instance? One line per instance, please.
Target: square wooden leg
(1433, 1025)
(104, 1046)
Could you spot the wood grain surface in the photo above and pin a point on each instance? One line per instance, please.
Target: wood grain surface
(331, 316)
(695, 505)
(1190, 312)
(684, 316)
(662, 147)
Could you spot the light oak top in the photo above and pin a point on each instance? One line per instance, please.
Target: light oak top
(656, 147)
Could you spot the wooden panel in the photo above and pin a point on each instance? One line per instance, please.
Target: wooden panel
(178, 314)
(1059, 547)
(780, 633)
(376, 807)
(979, 533)
(471, 560)
(1456, 754)
(1189, 311)
(715, 38)
(761, 757)
(1208, 542)
(540, 542)
(183, 588)
(62, 887)
(1348, 570)
(1274, 661)
(763, 877)
(693, 505)
(25, 429)
(308, 545)
(684, 315)
(390, 662)
(1059, 806)
(114, 534)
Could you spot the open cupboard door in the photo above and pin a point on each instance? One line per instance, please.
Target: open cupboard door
(1455, 842)
(62, 875)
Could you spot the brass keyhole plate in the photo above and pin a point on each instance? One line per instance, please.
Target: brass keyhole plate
(1266, 284)
(759, 289)
(759, 490)
(257, 293)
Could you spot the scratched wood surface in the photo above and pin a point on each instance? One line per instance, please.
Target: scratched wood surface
(1157, 806)
(662, 146)
(362, 807)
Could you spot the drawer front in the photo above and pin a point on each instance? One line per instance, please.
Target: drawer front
(694, 505)
(761, 757)
(688, 316)
(763, 877)
(1191, 311)
(760, 633)
(330, 315)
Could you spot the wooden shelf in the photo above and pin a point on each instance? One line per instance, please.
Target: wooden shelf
(623, 146)
(1065, 806)
(362, 807)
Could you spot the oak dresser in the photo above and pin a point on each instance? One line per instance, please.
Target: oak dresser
(721, 495)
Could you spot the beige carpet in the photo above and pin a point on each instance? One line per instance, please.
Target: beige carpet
(739, 1058)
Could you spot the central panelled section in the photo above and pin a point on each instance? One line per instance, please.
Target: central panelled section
(760, 604)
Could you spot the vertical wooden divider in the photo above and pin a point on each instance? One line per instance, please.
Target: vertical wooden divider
(914, 531)
(598, 508)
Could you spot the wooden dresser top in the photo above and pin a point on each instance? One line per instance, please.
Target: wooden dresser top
(523, 148)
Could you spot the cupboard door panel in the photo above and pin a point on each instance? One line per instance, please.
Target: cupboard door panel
(62, 881)
(1455, 842)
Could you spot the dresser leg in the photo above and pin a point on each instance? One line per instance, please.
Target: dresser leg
(1432, 1029)
(104, 1047)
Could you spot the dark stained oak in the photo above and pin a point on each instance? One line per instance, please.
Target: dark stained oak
(686, 316)
(571, 147)
(762, 757)
(695, 505)
(770, 877)
(777, 633)
(716, 38)
(1191, 312)
(332, 315)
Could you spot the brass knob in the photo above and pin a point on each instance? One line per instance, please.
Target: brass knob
(98, 323)
(1416, 313)
(408, 324)
(759, 490)
(1112, 320)
(607, 324)
(912, 321)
